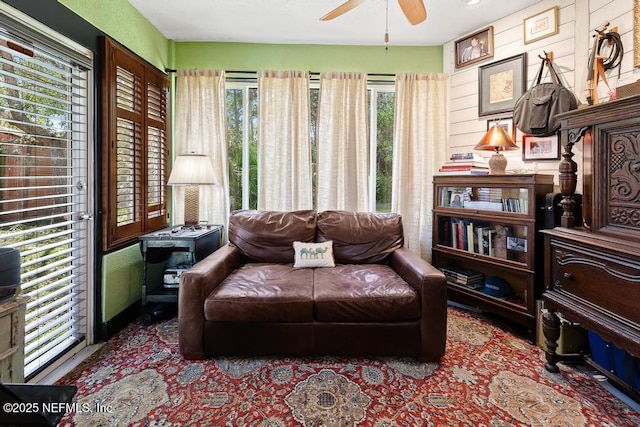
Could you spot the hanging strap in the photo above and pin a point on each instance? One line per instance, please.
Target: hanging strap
(554, 75)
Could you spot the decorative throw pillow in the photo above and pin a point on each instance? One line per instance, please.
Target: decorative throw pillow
(313, 254)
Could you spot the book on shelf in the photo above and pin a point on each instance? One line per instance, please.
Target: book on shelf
(472, 171)
(467, 235)
(464, 277)
(488, 241)
(477, 204)
(465, 163)
(466, 157)
(461, 156)
(461, 166)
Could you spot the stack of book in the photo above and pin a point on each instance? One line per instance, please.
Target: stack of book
(461, 276)
(464, 164)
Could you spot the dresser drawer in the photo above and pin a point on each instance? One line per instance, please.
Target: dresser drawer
(593, 276)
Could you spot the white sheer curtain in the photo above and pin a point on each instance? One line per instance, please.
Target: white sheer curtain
(420, 141)
(342, 141)
(284, 147)
(201, 127)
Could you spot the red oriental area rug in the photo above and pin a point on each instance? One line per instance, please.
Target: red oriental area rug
(488, 377)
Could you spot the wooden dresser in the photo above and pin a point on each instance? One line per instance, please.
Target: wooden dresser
(592, 270)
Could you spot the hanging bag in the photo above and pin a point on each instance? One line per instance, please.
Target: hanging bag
(535, 111)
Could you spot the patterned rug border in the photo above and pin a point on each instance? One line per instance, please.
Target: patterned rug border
(488, 377)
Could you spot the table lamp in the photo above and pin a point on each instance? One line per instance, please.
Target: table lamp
(191, 171)
(496, 139)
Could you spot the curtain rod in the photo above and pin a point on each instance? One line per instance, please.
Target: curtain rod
(311, 73)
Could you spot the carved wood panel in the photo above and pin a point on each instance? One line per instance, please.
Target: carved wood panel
(618, 177)
(624, 180)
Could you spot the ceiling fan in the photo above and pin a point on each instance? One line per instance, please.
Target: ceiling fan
(414, 10)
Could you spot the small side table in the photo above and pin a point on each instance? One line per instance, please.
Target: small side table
(156, 247)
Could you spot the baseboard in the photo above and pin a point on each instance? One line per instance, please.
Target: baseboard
(121, 320)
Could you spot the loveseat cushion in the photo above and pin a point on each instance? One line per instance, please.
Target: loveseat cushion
(268, 236)
(363, 293)
(258, 292)
(361, 237)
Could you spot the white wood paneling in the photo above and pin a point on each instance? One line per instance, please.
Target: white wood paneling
(570, 46)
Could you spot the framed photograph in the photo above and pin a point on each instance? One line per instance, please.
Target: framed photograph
(540, 147)
(518, 244)
(506, 124)
(542, 25)
(500, 84)
(457, 200)
(475, 47)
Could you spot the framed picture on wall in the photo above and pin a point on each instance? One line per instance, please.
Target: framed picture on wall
(541, 25)
(474, 47)
(500, 84)
(506, 124)
(540, 147)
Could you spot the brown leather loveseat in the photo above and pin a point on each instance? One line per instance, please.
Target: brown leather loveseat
(247, 298)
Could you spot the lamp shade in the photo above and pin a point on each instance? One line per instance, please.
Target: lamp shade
(496, 139)
(192, 169)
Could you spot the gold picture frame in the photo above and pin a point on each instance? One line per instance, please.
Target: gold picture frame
(636, 33)
(540, 25)
(474, 47)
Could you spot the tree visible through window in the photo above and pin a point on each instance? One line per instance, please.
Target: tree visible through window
(242, 126)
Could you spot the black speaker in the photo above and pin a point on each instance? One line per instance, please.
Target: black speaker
(9, 271)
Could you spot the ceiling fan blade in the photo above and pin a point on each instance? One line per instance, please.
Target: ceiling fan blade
(343, 8)
(414, 10)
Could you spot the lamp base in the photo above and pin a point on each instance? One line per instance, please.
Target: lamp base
(192, 206)
(497, 164)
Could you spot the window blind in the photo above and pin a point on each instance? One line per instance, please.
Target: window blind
(44, 130)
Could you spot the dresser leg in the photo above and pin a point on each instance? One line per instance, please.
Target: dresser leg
(551, 330)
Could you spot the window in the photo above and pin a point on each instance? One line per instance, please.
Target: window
(243, 143)
(45, 185)
(382, 114)
(135, 147)
(242, 139)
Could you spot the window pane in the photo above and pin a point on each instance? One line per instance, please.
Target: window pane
(313, 116)
(253, 148)
(242, 140)
(235, 112)
(384, 150)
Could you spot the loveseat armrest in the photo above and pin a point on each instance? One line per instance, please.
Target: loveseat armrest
(431, 285)
(195, 285)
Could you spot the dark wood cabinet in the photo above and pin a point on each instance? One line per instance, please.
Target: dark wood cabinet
(592, 269)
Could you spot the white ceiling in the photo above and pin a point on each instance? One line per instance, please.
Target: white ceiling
(297, 21)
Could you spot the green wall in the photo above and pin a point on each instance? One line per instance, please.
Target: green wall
(123, 23)
(255, 56)
(122, 270)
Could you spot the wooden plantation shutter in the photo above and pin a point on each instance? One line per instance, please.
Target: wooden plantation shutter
(135, 147)
(156, 150)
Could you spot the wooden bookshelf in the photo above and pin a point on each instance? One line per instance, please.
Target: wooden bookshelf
(490, 225)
